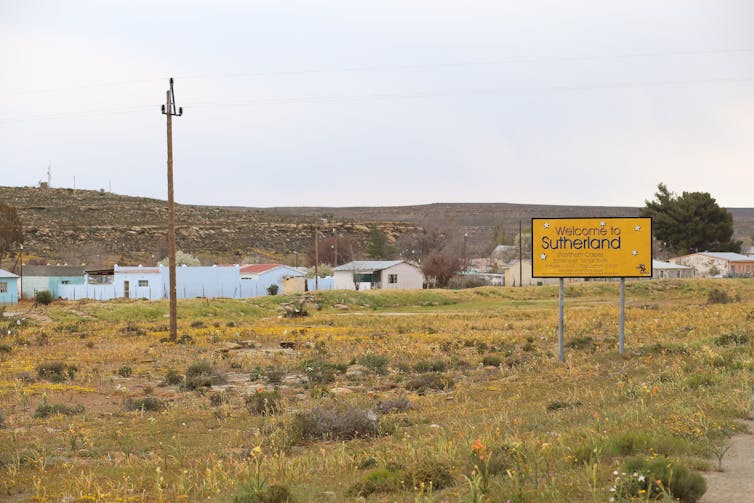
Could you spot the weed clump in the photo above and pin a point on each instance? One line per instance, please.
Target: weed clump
(263, 403)
(430, 366)
(133, 330)
(125, 371)
(491, 361)
(733, 340)
(720, 296)
(660, 476)
(173, 378)
(381, 480)
(51, 409)
(321, 372)
(393, 405)
(374, 362)
(423, 383)
(146, 404)
(56, 371)
(333, 422)
(274, 493)
(431, 473)
(203, 375)
(218, 399)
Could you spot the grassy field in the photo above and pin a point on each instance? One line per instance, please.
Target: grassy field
(404, 396)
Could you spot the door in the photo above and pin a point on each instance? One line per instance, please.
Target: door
(126, 289)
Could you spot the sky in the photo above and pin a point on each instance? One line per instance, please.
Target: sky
(377, 103)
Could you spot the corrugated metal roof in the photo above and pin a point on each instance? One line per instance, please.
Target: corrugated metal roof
(368, 265)
(659, 264)
(138, 270)
(53, 271)
(729, 256)
(258, 268)
(7, 274)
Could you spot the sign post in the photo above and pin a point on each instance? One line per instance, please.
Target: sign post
(615, 247)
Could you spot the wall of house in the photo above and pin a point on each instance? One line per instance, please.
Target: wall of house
(11, 296)
(702, 264)
(211, 282)
(658, 273)
(516, 275)
(343, 280)
(256, 285)
(409, 278)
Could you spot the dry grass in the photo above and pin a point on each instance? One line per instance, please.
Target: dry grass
(464, 388)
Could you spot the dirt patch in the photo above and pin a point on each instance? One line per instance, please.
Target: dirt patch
(736, 481)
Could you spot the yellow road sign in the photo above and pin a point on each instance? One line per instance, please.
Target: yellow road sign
(615, 247)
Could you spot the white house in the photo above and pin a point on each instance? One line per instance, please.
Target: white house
(664, 270)
(719, 264)
(383, 274)
(257, 278)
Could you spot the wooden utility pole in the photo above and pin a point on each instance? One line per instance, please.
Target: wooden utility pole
(168, 109)
(316, 257)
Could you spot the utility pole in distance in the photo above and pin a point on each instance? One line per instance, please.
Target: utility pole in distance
(168, 109)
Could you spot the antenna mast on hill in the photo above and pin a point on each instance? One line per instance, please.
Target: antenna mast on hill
(49, 175)
(168, 109)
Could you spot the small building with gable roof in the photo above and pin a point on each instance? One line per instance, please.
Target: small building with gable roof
(378, 274)
(718, 264)
(8, 287)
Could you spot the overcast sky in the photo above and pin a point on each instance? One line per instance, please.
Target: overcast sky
(339, 103)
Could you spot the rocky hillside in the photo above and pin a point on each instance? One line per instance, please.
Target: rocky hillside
(100, 228)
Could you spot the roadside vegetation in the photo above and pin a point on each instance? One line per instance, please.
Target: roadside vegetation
(387, 396)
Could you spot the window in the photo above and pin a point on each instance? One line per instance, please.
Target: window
(65, 282)
(3, 287)
(392, 279)
(143, 283)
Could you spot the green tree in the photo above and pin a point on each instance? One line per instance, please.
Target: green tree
(11, 230)
(691, 222)
(378, 246)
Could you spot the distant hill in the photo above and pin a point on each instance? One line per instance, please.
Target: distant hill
(99, 228)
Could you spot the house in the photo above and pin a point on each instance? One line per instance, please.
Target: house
(718, 264)
(40, 278)
(665, 270)
(517, 273)
(257, 278)
(382, 274)
(8, 287)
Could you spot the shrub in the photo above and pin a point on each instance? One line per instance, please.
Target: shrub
(381, 480)
(44, 297)
(51, 409)
(217, 399)
(133, 330)
(432, 473)
(272, 289)
(696, 381)
(333, 422)
(173, 378)
(146, 404)
(732, 339)
(198, 324)
(585, 342)
(321, 372)
(720, 296)
(5, 349)
(687, 486)
(375, 363)
(400, 404)
(263, 403)
(428, 382)
(491, 361)
(203, 375)
(274, 493)
(56, 371)
(125, 371)
(430, 366)
(274, 374)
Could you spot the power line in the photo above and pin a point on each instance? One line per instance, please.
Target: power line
(410, 66)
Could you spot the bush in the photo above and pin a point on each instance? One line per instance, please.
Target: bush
(333, 422)
(375, 363)
(173, 378)
(687, 486)
(44, 297)
(491, 361)
(56, 371)
(400, 404)
(381, 480)
(125, 371)
(431, 473)
(733, 339)
(147, 404)
(720, 296)
(428, 382)
(272, 494)
(321, 372)
(203, 375)
(51, 409)
(217, 399)
(272, 289)
(433, 366)
(263, 403)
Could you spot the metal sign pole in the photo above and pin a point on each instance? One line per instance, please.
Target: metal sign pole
(561, 302)
(622, 313)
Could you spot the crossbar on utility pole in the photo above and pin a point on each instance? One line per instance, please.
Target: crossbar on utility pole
(168, 109)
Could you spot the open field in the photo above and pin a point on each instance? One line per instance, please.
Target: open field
(403, 396)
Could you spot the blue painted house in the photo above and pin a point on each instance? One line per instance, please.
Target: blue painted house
(39, 278)
(8, 287)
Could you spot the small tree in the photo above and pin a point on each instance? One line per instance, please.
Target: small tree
(11, 231)
(440, 268)
(181, 258)
(378, 246)
(691, 222)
